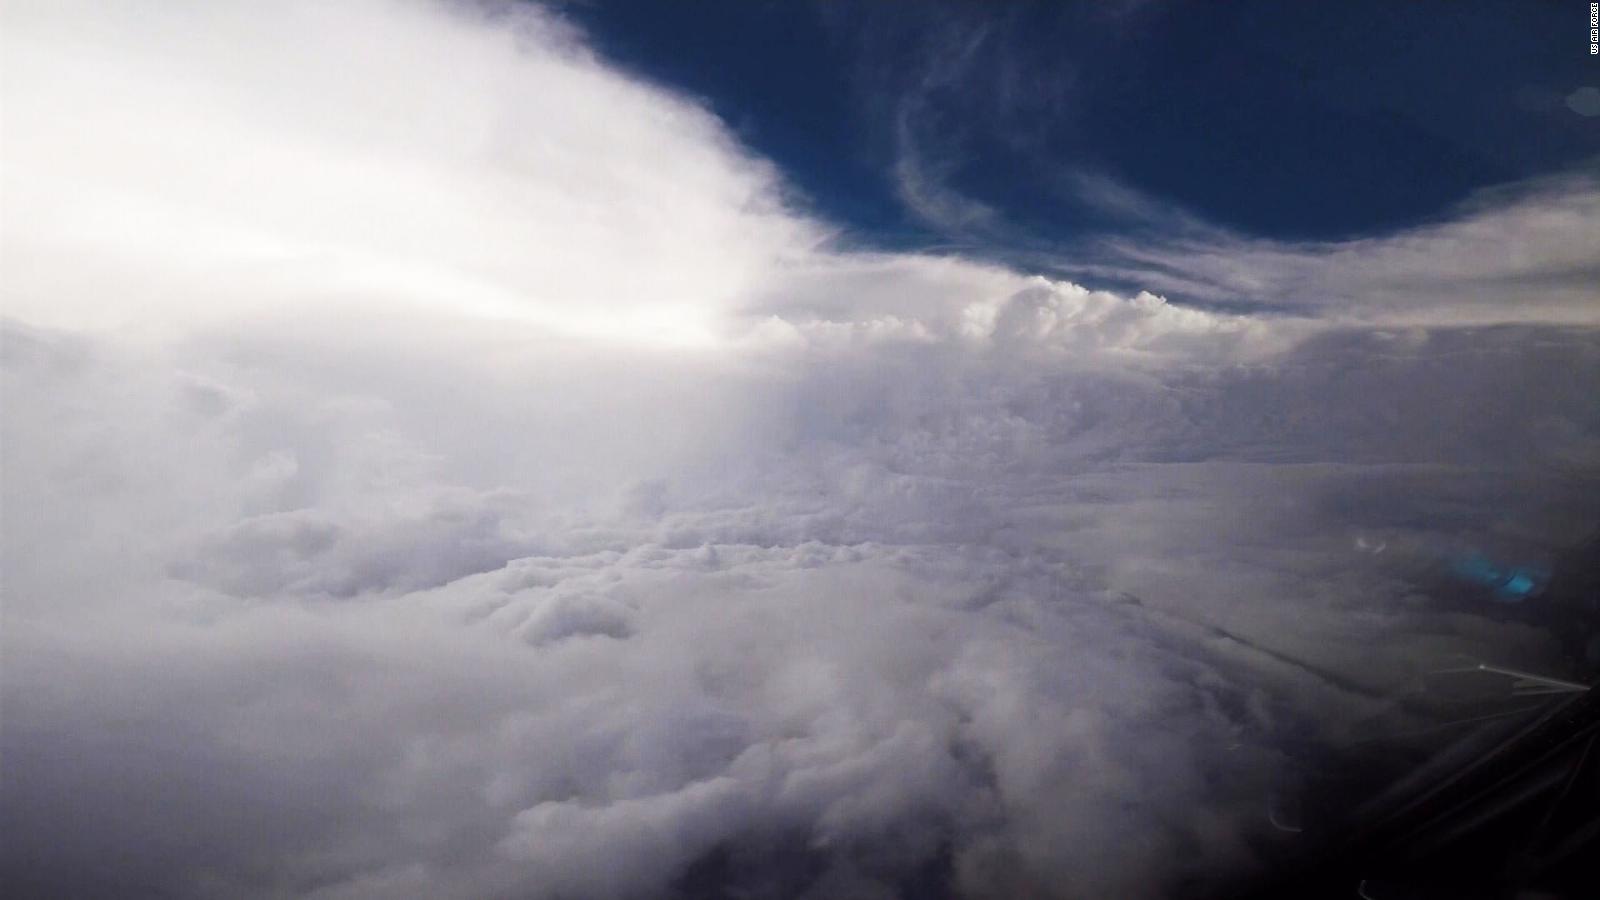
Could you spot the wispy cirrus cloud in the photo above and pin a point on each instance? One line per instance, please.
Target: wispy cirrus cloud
(1520, 253)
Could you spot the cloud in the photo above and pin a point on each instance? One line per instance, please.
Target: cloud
(942, 87)
(1512, 254)
(293, 159)
(438, 464)
(922, 186)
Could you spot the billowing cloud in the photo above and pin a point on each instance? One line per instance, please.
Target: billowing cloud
(402, 151)
(437, 464)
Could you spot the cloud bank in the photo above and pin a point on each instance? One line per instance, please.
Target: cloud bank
(438, 464)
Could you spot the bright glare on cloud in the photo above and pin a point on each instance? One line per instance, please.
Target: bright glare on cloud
(386, 152)
(438, 464)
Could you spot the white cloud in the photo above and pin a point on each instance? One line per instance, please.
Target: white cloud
(398, 152)
(437, 464)
(1523, 253)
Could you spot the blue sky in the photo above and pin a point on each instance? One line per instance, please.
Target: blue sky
(1287, 120)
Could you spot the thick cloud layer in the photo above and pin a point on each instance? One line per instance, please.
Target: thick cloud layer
(436, 464)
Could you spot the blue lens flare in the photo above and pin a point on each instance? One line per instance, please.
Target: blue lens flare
(1510, 584)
